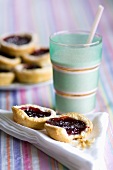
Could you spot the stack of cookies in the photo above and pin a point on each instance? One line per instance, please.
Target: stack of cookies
(22, 61)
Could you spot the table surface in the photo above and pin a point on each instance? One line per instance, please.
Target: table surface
(45, 17)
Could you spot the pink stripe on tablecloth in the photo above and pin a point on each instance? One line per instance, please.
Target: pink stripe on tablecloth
(16, 15)
(23, 97)
(27, 159)
(36, 96)
(7, 101)
(44, 161)
(29, 16)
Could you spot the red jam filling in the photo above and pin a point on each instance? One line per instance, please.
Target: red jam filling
(7, 55)
(71, 125)
(35, 112)
(30, 67)
(17, 40)
(40, 52)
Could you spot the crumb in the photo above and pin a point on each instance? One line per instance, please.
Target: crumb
(84, 143)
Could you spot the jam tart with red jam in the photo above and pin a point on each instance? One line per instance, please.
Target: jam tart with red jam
(8, 62)
(6, 77)
(40, 56)
(18, 44)
(68, 127)
(32, 116)
(29, 73)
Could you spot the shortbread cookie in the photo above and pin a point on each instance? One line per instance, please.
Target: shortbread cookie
(6, 77)
(27, 73)
(32, 116)
(40, 56)
(8, 62)
(18, 44)
(68, 126)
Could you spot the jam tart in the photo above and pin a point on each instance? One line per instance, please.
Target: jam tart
(68, 127)
(40, 56)
(6, 77)
(27, 73)
(8, 62)
(32, 116)
(18, 44)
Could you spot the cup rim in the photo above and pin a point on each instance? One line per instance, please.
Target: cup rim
(75, 45)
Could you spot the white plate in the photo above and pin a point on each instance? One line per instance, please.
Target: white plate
(18, 86)
(67, 154)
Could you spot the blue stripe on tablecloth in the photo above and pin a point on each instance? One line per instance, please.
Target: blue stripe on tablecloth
(14, 97)
(3, 153)
(17, 154)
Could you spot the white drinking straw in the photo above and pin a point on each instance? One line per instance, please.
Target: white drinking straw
(95, 24)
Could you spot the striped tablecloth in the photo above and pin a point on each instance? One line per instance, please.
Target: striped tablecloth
(45, 17)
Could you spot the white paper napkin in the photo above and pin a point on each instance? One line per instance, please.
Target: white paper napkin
(67, 154)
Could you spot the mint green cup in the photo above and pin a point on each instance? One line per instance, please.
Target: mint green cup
(76, 82)
(75, 70)
(80, 104)
(70, 49)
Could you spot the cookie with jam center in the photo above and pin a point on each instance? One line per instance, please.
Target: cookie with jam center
(32, 116)
(6, 77)
(7, 61)
(68, 127)
(39, 56)
(30, 73)
(18, 44)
